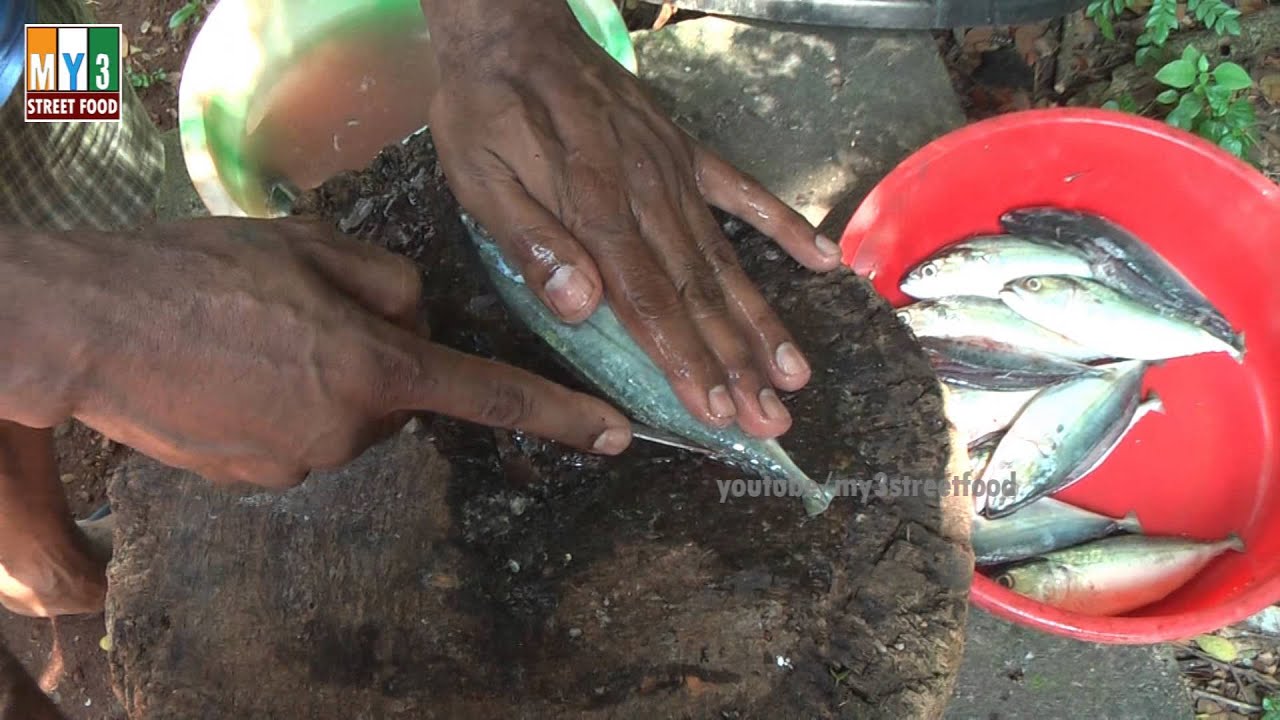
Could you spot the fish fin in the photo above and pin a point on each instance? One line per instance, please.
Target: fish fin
(1153, 403)
(1239, 346)
(1235, 542)
(1130, 523)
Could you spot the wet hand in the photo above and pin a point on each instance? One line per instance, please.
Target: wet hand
(254, 350)
(594, 193)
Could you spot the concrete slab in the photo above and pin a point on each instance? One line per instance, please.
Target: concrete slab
(816, 114)
(1014, 673)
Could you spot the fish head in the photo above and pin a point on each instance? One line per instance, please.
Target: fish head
(1042, 291)
(949, 273)
(919, 316)
(1041, 580)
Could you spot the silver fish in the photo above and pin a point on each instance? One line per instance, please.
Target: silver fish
(1121, 261)
(1061, 434)
(981, 365)
(975, 414)
(980, 453)
(990, 320)
(603, 352)
(1114, 575)
(1043, 526)
(983, 265)
(1107, 321)
(1151, 404)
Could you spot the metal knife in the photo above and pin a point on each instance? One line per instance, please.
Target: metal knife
(660, 437)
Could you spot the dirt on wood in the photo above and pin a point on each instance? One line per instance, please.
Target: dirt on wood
(457, 571)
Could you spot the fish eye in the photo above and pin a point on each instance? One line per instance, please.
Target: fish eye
(1032, 284)
(929, 270)
(1005, 580)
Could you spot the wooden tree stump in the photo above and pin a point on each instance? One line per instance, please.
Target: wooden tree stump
(458, 572)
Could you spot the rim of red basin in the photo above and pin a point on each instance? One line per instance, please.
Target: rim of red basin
(986, 593)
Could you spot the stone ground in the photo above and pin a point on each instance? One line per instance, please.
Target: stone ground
(1014, 673)
(819, 116)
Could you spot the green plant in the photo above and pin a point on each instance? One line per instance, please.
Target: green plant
(1207, 100)
(1161, 20)
(185, 14)
(1270, 709)
(144, 79)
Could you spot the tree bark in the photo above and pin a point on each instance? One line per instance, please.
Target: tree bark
(458, 572)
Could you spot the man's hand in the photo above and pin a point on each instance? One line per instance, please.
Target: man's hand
(248, 350)
(592, 191)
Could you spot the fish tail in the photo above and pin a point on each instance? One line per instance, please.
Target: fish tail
(1235, 542)
(1239, 347)
(1130, 522)
(817, 499)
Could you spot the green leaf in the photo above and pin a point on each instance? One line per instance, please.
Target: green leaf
(1213, 130)
(183, 14)
(1191, 54)
(1179, 73)
(1104, 25)
(1111, 105)
(1232, 77)
(1234, 146)
(1219, 98)
(1202, 64)
(1168, 97)
(1218, 648)
(1184, 115)
(1241, 115)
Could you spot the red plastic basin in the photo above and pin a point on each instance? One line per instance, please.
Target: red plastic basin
(1209, 465)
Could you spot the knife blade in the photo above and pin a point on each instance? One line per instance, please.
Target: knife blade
(660, 437)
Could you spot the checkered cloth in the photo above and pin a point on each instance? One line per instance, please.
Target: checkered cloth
(61, 176)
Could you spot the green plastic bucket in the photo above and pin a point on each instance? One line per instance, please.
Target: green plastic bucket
(246, 46)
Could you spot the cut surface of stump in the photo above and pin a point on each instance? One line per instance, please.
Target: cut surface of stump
(454, 571)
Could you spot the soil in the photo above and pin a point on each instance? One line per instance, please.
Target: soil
(156, 53)
(556, 583)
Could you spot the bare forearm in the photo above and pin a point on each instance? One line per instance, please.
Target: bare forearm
(42, 358)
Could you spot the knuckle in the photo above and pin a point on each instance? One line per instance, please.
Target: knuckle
(506, 406)
(718, 252)
(698, 289)
(651, 302)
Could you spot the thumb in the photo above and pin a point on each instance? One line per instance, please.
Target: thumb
(498, 395)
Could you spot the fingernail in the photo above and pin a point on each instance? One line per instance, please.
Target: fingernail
(772, 405)
(569, 290)
(825, 246)
(789, 359)
(721, 402)
(612, 441)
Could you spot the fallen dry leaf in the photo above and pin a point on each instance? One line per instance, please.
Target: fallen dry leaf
(1270, 85)
(1250, 6)
(1025, 40)
(146, 27)
(979, 40)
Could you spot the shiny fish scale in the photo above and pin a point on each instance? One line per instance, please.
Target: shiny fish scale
(1061, 433)
(982, 265)
(1126, 264)
(967, 317)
